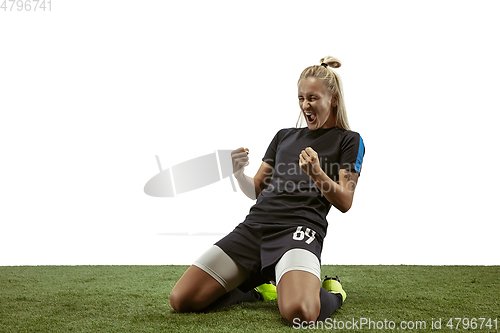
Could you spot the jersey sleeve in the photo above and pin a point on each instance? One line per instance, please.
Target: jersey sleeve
(270, 155)
(352, 151)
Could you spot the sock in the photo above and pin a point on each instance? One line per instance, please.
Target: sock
(235, 296)
(329, 303)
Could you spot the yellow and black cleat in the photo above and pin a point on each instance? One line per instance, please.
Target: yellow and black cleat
(333, 286)
(267, 291)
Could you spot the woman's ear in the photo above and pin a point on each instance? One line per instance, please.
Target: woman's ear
(334, 101)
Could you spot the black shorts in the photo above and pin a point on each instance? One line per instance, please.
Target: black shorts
(259, 246)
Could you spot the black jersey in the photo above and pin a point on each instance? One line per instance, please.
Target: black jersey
(292, 197)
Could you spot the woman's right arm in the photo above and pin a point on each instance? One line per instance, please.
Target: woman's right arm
(250, 186)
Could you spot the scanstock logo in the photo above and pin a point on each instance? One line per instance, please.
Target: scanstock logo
(191, 175)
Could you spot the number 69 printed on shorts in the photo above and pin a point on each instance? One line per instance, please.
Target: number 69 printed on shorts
(299, 235)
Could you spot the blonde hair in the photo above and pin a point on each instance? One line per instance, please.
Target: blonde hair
(332, 82)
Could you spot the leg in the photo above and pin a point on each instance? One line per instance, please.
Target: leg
(195, 290)
(212, 276)
(298, 296)
(298, 276)
(330, 302)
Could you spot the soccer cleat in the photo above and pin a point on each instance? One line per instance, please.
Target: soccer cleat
(332, 285)
(267, 291)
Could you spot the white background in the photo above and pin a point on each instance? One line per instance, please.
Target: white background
(91, 91)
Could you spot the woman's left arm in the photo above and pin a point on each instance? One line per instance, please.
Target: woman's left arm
(339, 195)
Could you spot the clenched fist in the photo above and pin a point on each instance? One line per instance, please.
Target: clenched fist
(309, 162)
(240, 160)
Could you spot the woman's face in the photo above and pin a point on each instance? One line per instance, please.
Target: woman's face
(316, 103)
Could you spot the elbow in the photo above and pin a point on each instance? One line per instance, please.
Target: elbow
(346, 204)
(342, 201)
(259, 188)
(344, 208)
(255, 194)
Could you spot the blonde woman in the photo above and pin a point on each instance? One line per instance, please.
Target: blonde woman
(305, 171)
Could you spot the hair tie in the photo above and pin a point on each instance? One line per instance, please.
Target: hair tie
(324, 64)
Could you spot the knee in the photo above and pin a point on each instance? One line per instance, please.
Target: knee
(175, 300)
(183, 300)
(179, 302)
(302, 310)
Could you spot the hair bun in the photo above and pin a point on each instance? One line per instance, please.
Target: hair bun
(331, 61)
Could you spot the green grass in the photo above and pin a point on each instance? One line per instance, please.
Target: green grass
(135, 299)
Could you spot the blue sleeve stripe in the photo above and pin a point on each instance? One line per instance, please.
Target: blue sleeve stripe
(361, 152)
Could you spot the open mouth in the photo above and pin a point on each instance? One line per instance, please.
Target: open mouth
(311, 117)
